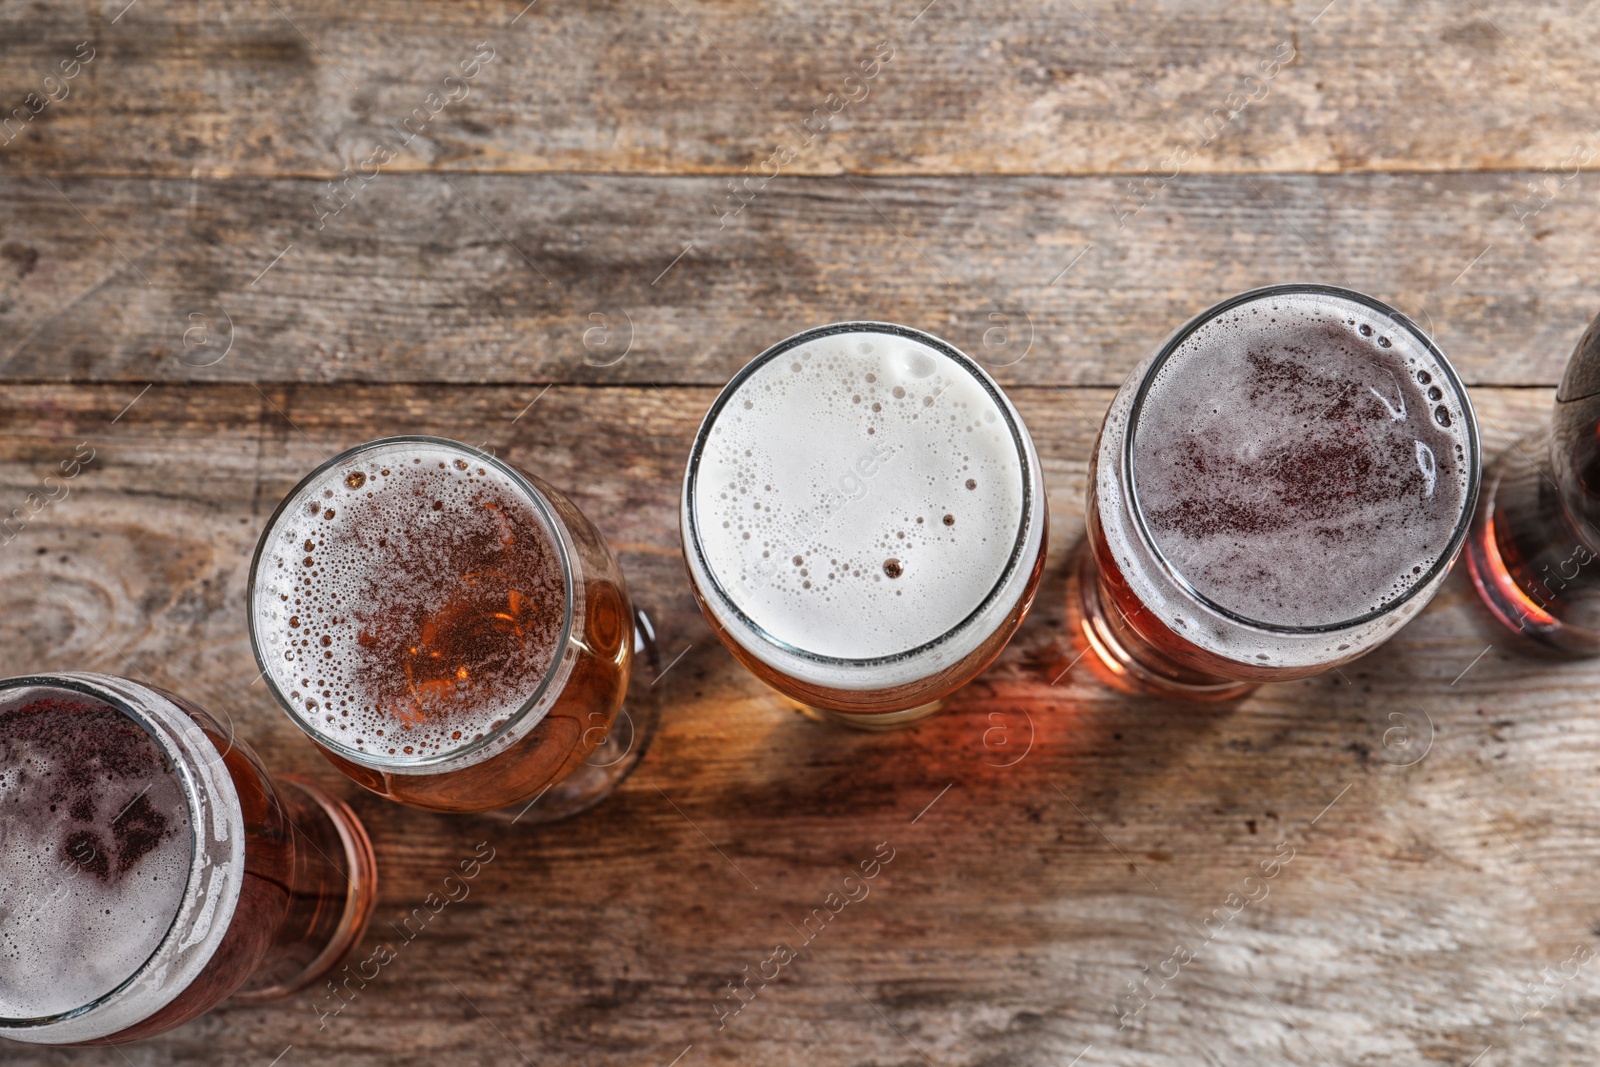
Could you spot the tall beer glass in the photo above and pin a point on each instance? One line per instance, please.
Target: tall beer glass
(1274, 492)
(153, 869)
(864, 520)
(450, 631)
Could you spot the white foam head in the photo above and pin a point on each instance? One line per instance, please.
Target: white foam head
(409, 602)
(858, 493)
(97, 849)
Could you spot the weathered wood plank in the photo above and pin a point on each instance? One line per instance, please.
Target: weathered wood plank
(1019, 86)
(623, 279)
(1074, 838)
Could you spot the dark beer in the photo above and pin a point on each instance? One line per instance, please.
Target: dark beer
(153, 869)
(451, 632)
(1286, 481)
(1537, 532)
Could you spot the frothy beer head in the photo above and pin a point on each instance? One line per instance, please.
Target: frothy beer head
(97, 849)
(856, 494)
(409, 599)
(1300, 461)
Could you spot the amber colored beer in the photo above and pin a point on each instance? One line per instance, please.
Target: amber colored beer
(1537, 532)
(451, 632)
(154, 868)
(864, 520)
(1273, 492)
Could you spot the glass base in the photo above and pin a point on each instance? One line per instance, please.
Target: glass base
(616, 757)
(335, 889)
(879, 722)
(1121, 658)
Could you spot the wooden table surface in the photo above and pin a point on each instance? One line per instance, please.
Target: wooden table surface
(556, 230)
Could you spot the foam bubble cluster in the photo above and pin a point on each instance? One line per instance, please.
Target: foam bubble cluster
(409, 601)
(97, 849)
(1302, 461)
(859, 495)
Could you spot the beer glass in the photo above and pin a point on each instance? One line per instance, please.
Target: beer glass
(864, 520)
(152, 867)
(1278, 488)
(1535, 538)
(450, 631)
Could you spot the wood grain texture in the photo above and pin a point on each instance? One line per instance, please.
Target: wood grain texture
(615, 280)
(1074, 837)
(1018, 86)
(182, 290)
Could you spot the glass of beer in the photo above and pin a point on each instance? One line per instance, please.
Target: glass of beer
(153, 869)
(864, 521)
(1537, 532)
(1278, 488)
(450, 631)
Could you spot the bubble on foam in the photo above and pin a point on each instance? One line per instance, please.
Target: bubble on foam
(97, 849)
(409, 602)
(1297, 462)
(860, 495)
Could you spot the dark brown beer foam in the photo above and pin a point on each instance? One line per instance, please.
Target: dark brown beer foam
(1300, 463)
(97, 850)
(422, 602)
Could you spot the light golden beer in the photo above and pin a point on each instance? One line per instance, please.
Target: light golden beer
(864, 519)
(450, 631)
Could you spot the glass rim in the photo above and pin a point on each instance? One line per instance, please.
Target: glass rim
(1019, 438)
(546, 514)
(1469, 500)
(187, 785)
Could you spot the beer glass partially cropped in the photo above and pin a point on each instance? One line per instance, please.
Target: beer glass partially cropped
(1537, 532)
(450, 631)
(864, 520)
(1273, 493)
(153, 869)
